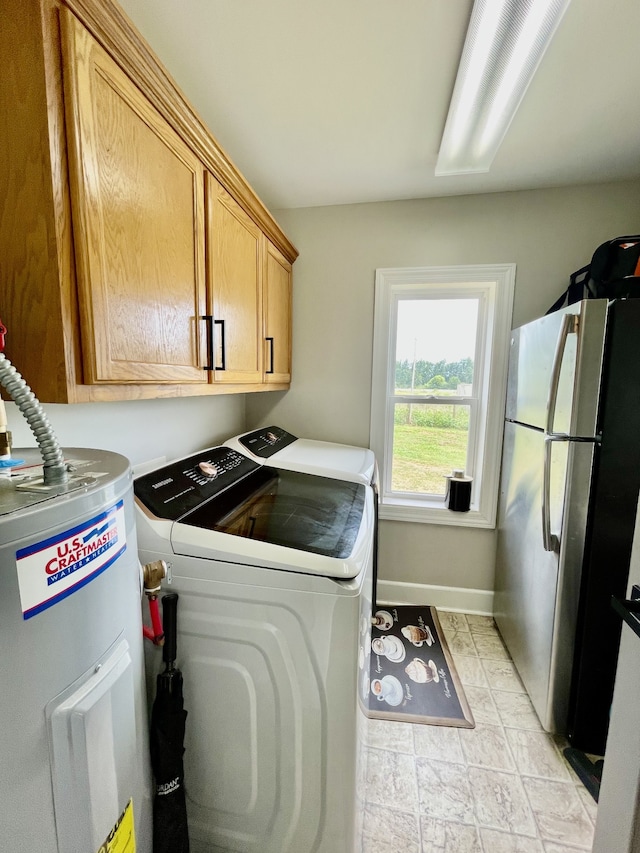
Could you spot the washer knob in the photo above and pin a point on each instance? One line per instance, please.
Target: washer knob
(208, 469)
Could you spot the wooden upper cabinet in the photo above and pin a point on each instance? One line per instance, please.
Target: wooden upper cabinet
(234, 280)
(137, 199)
(113, 262)
(277, 316)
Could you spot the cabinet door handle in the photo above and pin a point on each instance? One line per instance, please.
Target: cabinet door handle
(270, 340)
(208, 318)
(222, 366)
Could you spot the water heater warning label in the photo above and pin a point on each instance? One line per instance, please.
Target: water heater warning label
(122, 838)
(54, 568)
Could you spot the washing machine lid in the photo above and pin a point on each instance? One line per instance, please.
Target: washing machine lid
(275, 446)
(227, 507)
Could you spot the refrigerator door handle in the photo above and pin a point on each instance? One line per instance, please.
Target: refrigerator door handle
(569, 325)
(550, 541)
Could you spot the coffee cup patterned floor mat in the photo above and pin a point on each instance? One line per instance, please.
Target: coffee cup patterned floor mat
(412, 676)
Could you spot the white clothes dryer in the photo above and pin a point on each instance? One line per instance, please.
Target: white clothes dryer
(274, 574)
(275, 446)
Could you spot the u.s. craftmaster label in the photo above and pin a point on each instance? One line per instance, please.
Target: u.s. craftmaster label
(54, 568)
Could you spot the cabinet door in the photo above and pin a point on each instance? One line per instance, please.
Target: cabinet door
(137, 196)
(277, 314)
(234, 267)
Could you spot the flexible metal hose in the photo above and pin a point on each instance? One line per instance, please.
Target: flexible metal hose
(55, 470)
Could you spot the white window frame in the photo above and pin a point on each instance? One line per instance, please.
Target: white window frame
(494, 284)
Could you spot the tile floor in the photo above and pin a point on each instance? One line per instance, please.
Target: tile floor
(503, 787)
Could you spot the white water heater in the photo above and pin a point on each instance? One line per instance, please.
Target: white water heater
(73, 714)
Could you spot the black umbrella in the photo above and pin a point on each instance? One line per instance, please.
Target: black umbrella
(168, 718)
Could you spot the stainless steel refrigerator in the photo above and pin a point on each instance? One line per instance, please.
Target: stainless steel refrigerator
(569, 489)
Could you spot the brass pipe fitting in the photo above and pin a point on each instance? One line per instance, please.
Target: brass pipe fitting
(153, 575)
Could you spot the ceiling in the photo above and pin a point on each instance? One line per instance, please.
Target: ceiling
(343, 101)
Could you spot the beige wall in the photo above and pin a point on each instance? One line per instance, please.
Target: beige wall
(547, 233)
(139, 429)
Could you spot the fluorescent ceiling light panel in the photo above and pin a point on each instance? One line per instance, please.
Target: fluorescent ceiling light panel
(505, 43)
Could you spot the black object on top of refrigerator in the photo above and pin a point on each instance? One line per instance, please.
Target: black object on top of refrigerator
(569, 489)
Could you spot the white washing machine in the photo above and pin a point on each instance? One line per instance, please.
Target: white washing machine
(281, 449)
(275, 446)
(274, 573)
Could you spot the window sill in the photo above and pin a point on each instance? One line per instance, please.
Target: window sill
(432, 512)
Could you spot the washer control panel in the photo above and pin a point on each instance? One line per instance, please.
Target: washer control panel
(181, 486)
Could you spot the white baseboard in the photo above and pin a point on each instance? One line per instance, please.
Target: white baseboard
(457, 599)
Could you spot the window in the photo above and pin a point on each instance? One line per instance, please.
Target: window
(440, 353)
